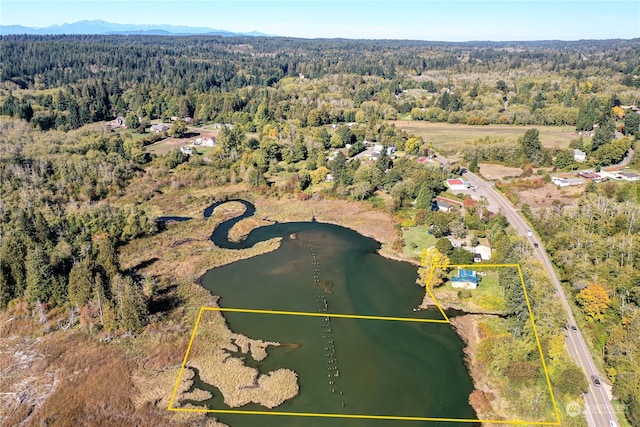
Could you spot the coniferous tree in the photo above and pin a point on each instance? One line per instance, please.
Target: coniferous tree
(425, 197)
(338, 167)
(80, 286)
(631, 123)
(516, 304)
(7, 291)
(532, 147)
(74, 115)
(604, 135)
(129, 302)
(25, 111)
(38, 275)
(473, 166)
(59, 295)
(587, 115)
(12, 255)
(107, 255)
(135, 310)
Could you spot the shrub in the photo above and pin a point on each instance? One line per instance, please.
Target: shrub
(478, 121)
(464, 294)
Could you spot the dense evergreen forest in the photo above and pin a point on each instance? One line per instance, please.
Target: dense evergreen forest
(74, 80)
(292, 104)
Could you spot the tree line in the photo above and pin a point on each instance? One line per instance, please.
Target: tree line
(247, 80)
(595, 246)
(58, 243)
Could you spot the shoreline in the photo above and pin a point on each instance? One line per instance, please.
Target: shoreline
(268, 212)
(213, 355)
(466, 326)
(320, 211)
(323, 211)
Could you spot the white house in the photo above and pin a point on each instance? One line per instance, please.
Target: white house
(566, 182)
(205, 142)
(186, 150)
(119, 122)
(560, 182)
(628, 176)
(444, 206)
(160, 127)
(483, 251)
(466, 279)
(457, 184)
(579, 155)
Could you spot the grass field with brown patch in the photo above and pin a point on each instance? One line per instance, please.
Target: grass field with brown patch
(544, 197)
(164, 146)
(492, 171)
(449, 138)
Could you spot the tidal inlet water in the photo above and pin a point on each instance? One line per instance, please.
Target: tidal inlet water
(344, 366)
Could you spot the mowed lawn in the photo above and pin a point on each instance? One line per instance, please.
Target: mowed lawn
(416, 239)
(449, 138)
(487, 298)
(164, 146)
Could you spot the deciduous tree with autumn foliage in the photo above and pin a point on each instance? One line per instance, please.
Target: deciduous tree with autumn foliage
(430, 258)
(594, 301)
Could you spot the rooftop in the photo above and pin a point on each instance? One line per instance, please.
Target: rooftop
(466, 276)
(629, 174)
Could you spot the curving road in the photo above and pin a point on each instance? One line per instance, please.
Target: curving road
(599, 410)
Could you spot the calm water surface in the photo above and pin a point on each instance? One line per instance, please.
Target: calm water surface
(348, 366)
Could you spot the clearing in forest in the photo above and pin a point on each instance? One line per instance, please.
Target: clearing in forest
(449, 138)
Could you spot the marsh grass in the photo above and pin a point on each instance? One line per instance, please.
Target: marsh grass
(238, 383)
(179, 255)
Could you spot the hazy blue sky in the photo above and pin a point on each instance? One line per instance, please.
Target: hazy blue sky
(401, 19)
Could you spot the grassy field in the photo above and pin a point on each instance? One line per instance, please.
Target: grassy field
(164, 146)
(449, 138)
(487, 298)
(417, 239)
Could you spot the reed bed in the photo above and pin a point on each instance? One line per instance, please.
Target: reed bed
(212, 354)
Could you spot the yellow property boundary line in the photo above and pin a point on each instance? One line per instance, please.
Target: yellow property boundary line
(383, 318)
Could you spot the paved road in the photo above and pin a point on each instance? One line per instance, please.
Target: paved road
(598, 403)
(627, 158)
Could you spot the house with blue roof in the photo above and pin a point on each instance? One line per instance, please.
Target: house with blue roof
(466, 279)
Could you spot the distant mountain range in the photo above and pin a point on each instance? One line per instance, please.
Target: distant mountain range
(102, 27)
